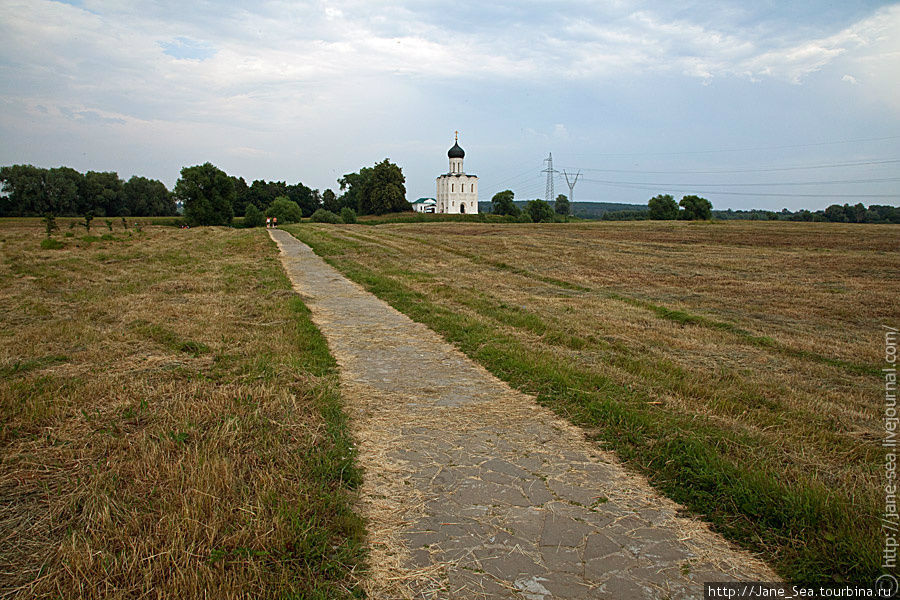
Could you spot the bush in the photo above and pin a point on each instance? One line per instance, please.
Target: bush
(348, 215)
(285, 210)
(525, 217)
(325, 216)
(253, 217)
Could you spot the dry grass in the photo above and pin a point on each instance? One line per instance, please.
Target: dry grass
(770, 333)
(163, 399)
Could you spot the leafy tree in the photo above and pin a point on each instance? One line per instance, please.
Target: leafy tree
(23, 186)
(835, 214)
(307, 199)
(352, 185)
(147, 197)
(662, 208)
(562, 206)
(348, 215)
(695, 208)
(62, 191)
(325, 216)
(88, 217)
(241, 196)
(253, 217)
(503, 204)
(540, 211)
(50, 223)
(384, 190)
(331, 203)
(285, 210)
(102, 193)
(207, 193)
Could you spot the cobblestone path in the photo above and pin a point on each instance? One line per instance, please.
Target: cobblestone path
(472, 490)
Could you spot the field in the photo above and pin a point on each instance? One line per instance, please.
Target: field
(170, 421)
(736, 364)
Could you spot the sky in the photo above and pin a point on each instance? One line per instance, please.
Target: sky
(765, 104)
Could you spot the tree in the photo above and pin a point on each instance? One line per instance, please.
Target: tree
(695, 208)
(662, 208)
(241, 196)
(561, 206)
(253, 217)
(540, 211)
(835, 214)
(331, 203)
(62, 186)
(503, 204)
(285, 210)
(102, 193)
(23, 186)
(147, 197)
(384, 190)
(207, 193)
(307, 199)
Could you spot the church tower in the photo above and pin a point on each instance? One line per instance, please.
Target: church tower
(457, 192)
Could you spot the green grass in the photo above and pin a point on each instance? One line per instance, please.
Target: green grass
(807, 531)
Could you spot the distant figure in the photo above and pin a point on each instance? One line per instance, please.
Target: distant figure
(274, 222)
(268, 222)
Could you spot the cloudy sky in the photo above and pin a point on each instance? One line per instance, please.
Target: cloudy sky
(765, 104)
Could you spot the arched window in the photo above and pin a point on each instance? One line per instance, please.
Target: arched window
(473, 188)
(451, 187)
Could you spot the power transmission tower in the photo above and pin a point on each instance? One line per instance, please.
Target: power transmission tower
(549, 171)
(571, 184)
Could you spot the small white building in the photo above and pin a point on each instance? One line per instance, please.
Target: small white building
(424, 205)
(457, 192)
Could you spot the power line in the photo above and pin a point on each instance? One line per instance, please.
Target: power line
(654, 187)
(755, 184)
(757, 170)
(785, 147)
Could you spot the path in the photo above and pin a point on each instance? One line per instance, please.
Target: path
(472, 490)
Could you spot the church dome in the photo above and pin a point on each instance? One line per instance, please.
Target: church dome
(456, 151)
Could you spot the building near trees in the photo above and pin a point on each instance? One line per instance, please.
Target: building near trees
(457, 192)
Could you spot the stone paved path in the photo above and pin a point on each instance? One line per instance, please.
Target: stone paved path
(472, 490)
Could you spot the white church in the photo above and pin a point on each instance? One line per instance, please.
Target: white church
(457, 192)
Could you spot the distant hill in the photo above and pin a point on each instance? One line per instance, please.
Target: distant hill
(585, 210)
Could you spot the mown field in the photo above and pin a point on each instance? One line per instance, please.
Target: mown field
(170, 422)
(735, 364)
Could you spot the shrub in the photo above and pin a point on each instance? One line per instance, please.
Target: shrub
(50, 223)
(108, 224)
(325, 216)
(525, 217)
(285, 210)
(253, 217)
(348, 215)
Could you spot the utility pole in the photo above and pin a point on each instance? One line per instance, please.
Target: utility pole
(571, 184)
(549, 171)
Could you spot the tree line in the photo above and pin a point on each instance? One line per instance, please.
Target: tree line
(208, 195)
(31, 191)
(212, 197)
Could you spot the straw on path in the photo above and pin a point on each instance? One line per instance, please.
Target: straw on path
(472, 490)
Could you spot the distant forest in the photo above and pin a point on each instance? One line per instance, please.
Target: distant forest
(836, 213)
